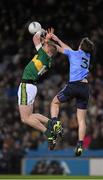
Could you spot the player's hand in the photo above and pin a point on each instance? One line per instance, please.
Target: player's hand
(55, 38)
(49, 34)
(50, 30)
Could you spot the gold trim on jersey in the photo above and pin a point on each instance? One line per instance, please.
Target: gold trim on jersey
(23, 94)
(38, 64)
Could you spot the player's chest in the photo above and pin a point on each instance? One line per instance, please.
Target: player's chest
(39, 62)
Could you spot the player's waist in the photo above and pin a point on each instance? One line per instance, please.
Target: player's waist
(79, 77)
(82, 80)
(29, 81)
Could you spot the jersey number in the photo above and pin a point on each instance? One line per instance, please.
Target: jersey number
(84, 63)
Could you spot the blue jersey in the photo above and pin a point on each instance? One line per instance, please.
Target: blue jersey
(79, 64)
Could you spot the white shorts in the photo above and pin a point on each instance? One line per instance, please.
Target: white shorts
(26, 94)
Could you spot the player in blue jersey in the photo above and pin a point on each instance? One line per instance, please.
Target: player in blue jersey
(76, 87)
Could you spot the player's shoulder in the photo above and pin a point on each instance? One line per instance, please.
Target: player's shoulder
(41, 51)
(84, 53)
(73, 51)
(68, 51)
(78, 52)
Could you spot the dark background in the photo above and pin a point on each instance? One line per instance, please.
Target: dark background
(72, 21)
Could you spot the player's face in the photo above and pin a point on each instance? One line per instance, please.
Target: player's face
(51, 49)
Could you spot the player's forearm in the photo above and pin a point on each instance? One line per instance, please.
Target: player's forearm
(60, 49)
(36, 39)
(63, 45)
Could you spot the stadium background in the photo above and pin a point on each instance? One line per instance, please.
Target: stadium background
(71, 21)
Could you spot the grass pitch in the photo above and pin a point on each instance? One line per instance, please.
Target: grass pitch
(46, 177)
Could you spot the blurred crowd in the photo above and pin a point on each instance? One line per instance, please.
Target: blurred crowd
(49, 167)
(71, 22)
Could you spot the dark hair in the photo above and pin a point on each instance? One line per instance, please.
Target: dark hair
(87, 45)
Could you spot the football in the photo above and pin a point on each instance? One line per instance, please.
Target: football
(34, 27)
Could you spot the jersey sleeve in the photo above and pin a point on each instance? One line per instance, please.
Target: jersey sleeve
(42, 53)
(40, 50)
(38, 46)
(68, 52)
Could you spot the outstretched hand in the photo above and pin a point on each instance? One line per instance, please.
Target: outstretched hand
(49, 34)
(55, 38)
(50, 30)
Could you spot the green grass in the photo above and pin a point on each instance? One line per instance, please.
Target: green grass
(39, 177)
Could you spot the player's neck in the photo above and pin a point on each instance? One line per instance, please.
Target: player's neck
(48, 52)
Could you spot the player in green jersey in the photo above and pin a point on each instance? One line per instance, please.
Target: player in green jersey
(27, 91)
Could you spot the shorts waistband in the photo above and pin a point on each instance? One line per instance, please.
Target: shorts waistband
(29, 81)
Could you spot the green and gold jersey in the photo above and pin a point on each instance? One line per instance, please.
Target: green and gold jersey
(40, 63)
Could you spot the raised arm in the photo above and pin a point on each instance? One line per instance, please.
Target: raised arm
(42, 36)
(37, 41)
(61, 45)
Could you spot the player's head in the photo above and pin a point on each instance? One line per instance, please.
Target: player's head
(87, 45)
(50, 48)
